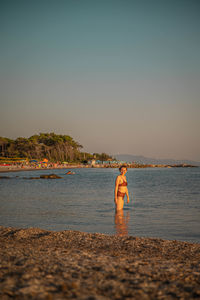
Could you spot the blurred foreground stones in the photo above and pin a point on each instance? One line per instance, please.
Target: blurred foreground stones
(40, 264)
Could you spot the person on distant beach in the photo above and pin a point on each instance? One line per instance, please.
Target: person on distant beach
(121, 188)
(70, 173)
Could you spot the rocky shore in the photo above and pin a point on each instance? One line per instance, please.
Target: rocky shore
(40, 264)
(5, 169)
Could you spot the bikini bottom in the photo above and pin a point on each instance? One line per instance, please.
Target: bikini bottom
(120, 194)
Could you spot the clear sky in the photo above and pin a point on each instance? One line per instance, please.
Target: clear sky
(119, 76)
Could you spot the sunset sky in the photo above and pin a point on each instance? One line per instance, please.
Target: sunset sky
(119, 76)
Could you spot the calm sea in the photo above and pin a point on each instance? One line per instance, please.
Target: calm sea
(164, 203)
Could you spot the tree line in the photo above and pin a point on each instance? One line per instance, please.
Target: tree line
(52, 146)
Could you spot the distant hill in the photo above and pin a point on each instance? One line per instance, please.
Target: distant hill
(148, 160)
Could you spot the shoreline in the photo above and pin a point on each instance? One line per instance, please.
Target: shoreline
(39, 169)
(43, 264)
(8, 169)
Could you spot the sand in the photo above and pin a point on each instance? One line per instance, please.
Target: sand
(40, 264)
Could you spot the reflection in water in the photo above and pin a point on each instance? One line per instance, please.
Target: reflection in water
(121, 222)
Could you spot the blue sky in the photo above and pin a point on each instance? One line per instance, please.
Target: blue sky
(118, 76)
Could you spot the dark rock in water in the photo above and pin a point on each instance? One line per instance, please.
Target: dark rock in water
(47, 176)
(50, 176)
(4, 177)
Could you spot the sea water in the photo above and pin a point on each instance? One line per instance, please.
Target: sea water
(164, 202)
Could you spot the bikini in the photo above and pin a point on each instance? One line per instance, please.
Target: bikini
(120, 194)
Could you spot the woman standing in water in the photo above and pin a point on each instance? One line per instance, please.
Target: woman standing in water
(121, 188)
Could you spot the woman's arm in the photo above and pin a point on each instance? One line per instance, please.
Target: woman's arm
(127, 195)
(116, 188)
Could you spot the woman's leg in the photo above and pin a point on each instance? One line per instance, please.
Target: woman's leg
(120, 203)
(120, 223)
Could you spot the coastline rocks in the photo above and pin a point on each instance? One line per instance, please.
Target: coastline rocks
(50, 176)
(5, 177)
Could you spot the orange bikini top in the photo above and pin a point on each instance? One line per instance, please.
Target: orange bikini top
(124, 183)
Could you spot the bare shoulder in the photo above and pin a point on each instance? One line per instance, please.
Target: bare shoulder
(118, 178)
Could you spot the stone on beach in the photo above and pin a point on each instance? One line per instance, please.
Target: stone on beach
(41, 264)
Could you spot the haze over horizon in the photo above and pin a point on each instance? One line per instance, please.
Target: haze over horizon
(118, 76)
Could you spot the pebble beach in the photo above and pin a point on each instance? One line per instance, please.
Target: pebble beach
(41, 264)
